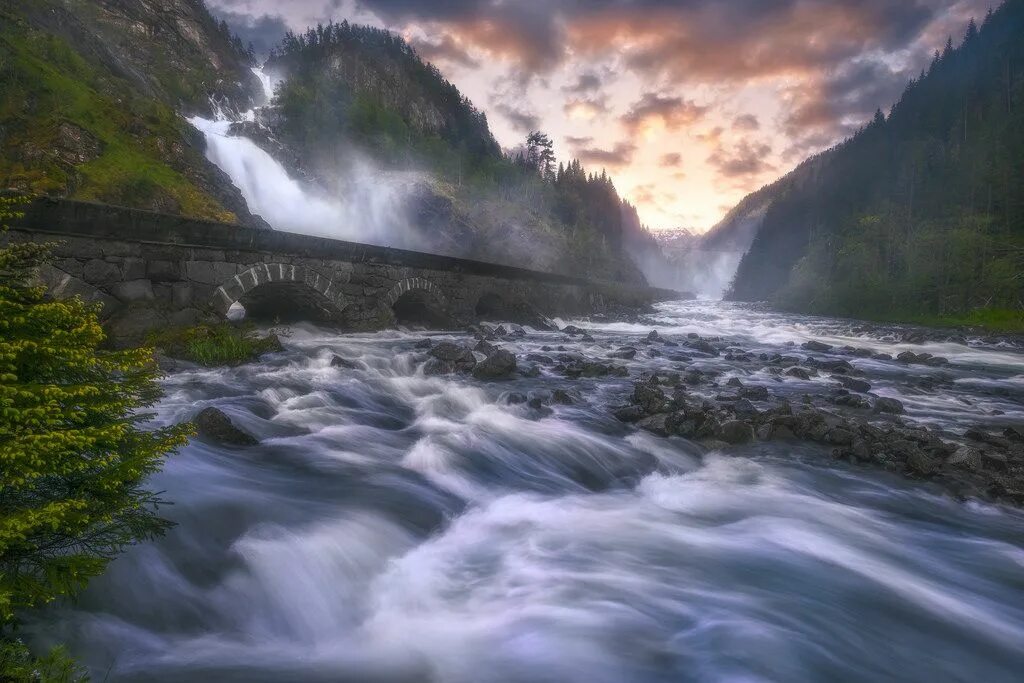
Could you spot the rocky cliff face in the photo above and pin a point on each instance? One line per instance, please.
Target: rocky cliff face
(92, 100)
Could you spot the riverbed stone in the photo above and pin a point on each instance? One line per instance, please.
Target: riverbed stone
(499, 365)
(214, 426)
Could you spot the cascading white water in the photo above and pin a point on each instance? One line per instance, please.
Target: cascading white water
(372, 210)
(394, 527)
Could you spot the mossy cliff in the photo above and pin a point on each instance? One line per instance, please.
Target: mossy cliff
(88, 115)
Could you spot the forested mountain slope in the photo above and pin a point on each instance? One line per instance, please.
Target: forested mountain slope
(351, 91)
(90, 101)
(922, 212)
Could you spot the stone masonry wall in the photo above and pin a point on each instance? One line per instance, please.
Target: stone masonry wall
(150, 271)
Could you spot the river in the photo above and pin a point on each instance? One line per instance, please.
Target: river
(397, 527)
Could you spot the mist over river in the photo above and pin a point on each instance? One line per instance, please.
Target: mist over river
(396, 527)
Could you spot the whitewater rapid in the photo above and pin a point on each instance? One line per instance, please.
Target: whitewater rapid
(398, 527)
(370, 208)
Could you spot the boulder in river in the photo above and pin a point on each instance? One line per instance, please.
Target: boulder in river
(736, 432)
(498, 365)
(818, 346)
(339, 362)
(852, 383)
(214, 426)
(888, 405)
(447, 357)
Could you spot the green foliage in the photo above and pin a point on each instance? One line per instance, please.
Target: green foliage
(921, 214)
(18, 665)
(73, 130)
(73, 450)
(215, 345)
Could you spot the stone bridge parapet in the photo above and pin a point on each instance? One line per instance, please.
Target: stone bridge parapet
(149, 270)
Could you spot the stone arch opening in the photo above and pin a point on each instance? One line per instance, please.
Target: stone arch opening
(280, 292)
(419, 303)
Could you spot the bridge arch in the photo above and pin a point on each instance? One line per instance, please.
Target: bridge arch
(418, 301)
(282, 291)
(61, 285)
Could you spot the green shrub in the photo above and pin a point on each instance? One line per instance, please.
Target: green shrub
(213, 345)
(74, 455)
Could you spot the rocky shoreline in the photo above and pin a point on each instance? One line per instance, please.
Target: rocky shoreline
(848, 418)
(857, 425)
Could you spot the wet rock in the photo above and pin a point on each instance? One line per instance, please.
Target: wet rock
(736, 432)
(169, 365)
(649, 397)
(498, 365)
(214, 426)
(816, 346)
(447, 357)
(852, 383)
(630, 413)
(704, 347)
(734, 382)
(745, 410)
(888, 405)
(485, 347)
(882, 356)
(921, 463)
(798, 372)
(565, 398)
(756, 393)
(984, 437)
(587, 368)
(339, 362)
(694, 377)
(1014, 434)
(653, 336)
(530, 371)
(514, 398)
(624, 353)
(837, 366)
(573, 331)
(839, 436)
(851, 400)
(656, 424)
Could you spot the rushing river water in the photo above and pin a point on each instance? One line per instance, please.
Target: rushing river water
(398, 527)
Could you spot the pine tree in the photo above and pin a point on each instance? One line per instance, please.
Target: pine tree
(74, 455)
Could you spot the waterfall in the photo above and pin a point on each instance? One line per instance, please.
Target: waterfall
(372, 210)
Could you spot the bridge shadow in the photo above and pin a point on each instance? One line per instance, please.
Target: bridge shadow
(288, 302)
(420, 308)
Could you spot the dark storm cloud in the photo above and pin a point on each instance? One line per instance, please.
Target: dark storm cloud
(676, 41)
(586, 82)
(444, 50)
(673, 112)
(619, 155)
(574, 141)
(742, 160)
(746, 122)
(522, 120)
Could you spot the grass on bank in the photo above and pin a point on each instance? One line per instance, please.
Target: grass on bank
(994, 320)
(215, 345)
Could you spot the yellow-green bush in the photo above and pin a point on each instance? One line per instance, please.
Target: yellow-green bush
(74, 453)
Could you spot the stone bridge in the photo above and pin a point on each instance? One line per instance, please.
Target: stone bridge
(151, 270)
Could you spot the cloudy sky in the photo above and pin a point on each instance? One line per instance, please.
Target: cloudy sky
(689, 104)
